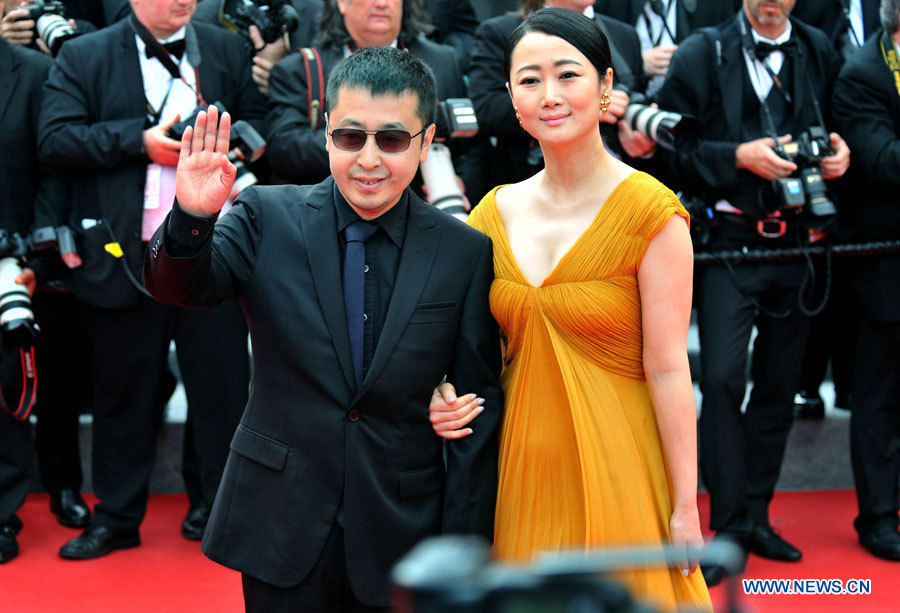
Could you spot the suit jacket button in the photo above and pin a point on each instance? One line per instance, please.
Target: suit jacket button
(353, 415)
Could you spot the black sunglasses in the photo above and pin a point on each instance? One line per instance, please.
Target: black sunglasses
(389, 141)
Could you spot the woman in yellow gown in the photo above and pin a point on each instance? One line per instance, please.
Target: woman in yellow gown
(593, 266)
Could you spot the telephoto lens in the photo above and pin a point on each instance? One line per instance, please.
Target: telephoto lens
(440, 179)
(16, 316)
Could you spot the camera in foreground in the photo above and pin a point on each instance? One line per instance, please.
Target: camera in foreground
(49, 23)
(670, 130)
(808, 190)
(246, 146)
(454, 118)
(272, 17)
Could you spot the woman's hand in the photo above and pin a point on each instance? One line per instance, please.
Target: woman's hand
(449, 413)
(684, 530)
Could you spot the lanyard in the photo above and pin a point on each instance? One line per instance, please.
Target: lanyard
(665, 21)
(889, 53)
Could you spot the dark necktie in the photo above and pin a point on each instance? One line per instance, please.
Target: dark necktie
(174, 48)
(357, 233)
(764, 49)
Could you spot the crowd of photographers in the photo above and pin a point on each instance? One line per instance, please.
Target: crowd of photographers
(779, 126)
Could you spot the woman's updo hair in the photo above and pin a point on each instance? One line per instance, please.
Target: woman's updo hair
(573, 27)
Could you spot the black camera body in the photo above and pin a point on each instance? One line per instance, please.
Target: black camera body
(50, 23)
(807, 191)
(272, 17)
(246, 146)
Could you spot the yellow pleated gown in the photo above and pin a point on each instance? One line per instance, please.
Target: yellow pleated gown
(581, 460)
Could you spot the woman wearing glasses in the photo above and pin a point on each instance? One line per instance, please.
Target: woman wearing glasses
(593, 266)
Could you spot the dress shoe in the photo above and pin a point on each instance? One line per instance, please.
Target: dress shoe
(195, 522)
(765, 543)
(9, 548)
(70, 509)
(882, 543)
(809, 405)
(98, 541)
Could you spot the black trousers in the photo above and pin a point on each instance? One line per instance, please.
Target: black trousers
(16, 460)
(64, 388)
(325, 590)
(129, 347)
(875, 425)
(741, 454)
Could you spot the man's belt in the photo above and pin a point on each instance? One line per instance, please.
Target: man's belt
(770, 227)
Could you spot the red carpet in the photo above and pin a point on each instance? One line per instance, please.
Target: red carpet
(169, 574)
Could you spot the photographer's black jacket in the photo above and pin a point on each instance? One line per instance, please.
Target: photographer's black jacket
(92, 123)
(296, 151)
(302, 36)
(28, 193)
(716, 94)
(828, 16)
(689, 15)
(869, 120)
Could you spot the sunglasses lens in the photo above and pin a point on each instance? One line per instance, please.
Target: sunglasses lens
(392, 141)
(348, 139)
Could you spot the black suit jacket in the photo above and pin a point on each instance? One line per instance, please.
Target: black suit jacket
(696, 85)
(27, 193)
(828, 16)
(308, 439)
(296, 151)
(867, 111)
(690, 15)
(496, 117)
(92, 122)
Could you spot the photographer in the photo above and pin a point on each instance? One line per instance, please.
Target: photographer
(517, 155)
(28, 195)
(18, 27)
(266, 55)
(296, 140)
(772, 79)
(108, 123)
(867, 110)
(663, 24)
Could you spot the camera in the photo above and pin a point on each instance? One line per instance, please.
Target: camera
(807, 191)
(670, 130)
(49, 23)
(454, 118)
(246, 146)
(272, 17)
(16, 317)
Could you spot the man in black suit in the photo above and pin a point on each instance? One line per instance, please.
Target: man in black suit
(335, 471)
(517, 156)
(108, 103)
(28, 194)
(663, 24)
(296, 140)
(755, 91)
(867, 110)
(848, 23)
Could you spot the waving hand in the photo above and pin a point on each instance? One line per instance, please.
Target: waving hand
(204, 175)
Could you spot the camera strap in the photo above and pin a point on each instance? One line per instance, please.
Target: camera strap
(29, 386)
(891, 59)
(315, 85)
(159, 52)
(664, 14)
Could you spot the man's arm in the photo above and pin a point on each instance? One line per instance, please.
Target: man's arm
(296, 151)
(67, 137)
(470, 489)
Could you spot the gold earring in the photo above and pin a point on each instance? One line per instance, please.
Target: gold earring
(519, 116)
(605, 101)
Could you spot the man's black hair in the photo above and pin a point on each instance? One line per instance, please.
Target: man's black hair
(571, 26)
(332, 30)
(385, 71)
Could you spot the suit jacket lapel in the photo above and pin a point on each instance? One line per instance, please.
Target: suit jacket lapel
(130, 70)
(8, 76)
(730, 75)
(416, 258)
(319, 228)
